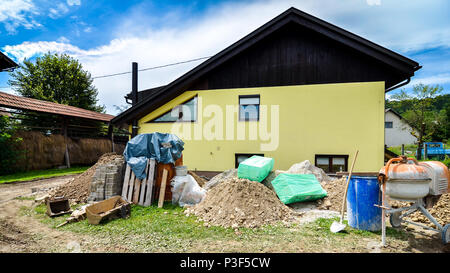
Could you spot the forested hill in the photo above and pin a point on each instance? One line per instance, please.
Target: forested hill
(439, 103)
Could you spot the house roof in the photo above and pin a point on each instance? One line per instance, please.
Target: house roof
(6, 62)
(399, 116)
(398, 62)
(23, 103)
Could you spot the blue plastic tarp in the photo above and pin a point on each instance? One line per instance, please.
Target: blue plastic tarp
(164, 148)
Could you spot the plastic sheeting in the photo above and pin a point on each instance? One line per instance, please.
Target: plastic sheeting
(164, 148)
(255, 168)
(292, 188)
(186, 191)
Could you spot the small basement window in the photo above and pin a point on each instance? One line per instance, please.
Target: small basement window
(249, 107)
(238, 158)
(187, 112)
(388, 124)
(332, 163)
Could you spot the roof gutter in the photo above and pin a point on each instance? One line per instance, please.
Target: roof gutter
(417, 67)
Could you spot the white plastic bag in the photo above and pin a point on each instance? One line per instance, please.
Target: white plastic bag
(186, 191)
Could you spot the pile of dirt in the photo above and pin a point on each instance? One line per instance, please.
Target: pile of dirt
(306, 167)
(241, 203)
(224, 176)
(200, 181)
(440, 211)
(335, 193)
(77, 189)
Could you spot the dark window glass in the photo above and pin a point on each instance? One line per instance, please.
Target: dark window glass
(186, 111)
(332, 163)
(388, 124)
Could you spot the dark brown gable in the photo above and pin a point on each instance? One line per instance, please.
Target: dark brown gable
(294, 55)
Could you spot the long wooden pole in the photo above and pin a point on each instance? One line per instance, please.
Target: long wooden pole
(162, 190)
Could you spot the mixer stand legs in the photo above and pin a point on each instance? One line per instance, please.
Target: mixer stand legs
(418, 205)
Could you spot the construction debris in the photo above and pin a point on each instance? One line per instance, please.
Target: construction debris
(440, 211)
(77, 189)
(111, 208)
(224, 176)
(200, 181)
(240, 203)
(335, 193)
(77, 215)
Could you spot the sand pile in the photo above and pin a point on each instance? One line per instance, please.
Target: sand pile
(240, 203)
(77, 189)
(440, 211)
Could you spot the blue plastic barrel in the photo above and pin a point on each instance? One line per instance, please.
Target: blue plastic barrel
(363, 193)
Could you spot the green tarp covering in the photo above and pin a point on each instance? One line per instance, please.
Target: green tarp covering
(255, 168)
(292, 188)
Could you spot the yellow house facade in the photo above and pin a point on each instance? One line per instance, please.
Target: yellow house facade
(312, 120)
(295, 89)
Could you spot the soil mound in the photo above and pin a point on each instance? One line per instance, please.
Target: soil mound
(335, 193)
(241, 203)
(77, 189)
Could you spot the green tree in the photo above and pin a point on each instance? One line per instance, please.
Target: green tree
(56, 78)
(420, 113)
(9, 154)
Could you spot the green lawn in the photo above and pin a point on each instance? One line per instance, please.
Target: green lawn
(40, 174)
(152, 229)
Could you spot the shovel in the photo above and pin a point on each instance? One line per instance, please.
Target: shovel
(339, 226)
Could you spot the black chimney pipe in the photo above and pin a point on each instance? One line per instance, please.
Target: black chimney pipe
(134, 95)
(134, 84)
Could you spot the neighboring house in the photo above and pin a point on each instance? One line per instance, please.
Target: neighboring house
(396, 130)
(313, 90)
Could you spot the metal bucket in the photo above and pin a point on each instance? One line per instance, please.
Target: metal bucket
(363, 193)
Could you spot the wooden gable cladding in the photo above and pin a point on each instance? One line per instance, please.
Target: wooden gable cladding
(295, 55)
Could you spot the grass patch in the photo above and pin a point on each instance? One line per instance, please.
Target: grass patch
(25, 198)
(151, 229)
(41, 174)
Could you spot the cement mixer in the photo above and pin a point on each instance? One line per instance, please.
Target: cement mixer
(405, 179)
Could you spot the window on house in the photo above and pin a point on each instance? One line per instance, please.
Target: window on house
(238, 158)
(388, 124)
(332, 163)
(186, 112)
(249, 107)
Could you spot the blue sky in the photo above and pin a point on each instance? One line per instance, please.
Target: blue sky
(106, 36)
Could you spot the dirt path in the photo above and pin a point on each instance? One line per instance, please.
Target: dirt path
(9, 191)
(22, 233)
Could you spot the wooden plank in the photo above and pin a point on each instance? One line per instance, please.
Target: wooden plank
(130, 189)
(137, 188)
(126, 183)
(162, 190)
(150, 182)
(144, 185)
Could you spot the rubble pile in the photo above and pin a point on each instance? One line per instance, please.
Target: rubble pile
(335, 193)
(226, 175)
(440, 211)
(241, 203)
(77, 189)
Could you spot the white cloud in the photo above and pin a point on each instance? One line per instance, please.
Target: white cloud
(435, 79)
(373, 2)
(182, 38)
(73, 2)
(58, 11)
(16, 13)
